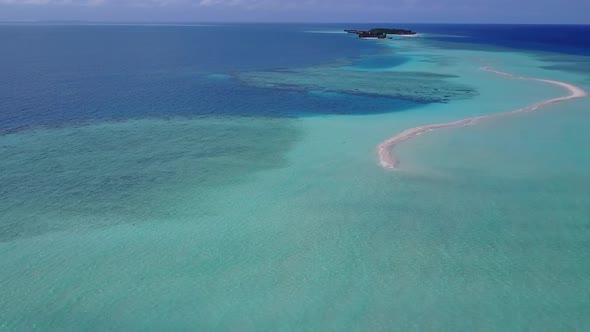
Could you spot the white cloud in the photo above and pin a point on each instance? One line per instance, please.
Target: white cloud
(263, 4)
(266, 5)
(53, 2)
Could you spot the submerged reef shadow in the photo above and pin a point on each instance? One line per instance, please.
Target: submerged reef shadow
(418, 87)
(131, 172)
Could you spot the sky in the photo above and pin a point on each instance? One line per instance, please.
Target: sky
(395, 11)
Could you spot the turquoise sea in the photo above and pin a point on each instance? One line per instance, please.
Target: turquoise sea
(226, 178)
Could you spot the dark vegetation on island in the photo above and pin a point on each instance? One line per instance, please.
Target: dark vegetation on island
(380, 33)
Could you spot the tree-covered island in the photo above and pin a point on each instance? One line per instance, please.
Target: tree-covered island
(380, 33)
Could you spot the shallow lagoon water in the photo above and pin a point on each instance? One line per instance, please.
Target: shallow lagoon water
(266, 223)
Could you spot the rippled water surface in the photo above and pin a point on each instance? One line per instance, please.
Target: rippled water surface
(159, 178)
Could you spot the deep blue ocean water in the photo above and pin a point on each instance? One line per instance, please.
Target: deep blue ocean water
(570, 39)
(57, 74)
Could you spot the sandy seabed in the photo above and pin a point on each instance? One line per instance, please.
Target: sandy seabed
(385, 150)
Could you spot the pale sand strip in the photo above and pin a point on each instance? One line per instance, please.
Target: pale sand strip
(385, 149)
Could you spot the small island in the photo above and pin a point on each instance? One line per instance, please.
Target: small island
(380, 33)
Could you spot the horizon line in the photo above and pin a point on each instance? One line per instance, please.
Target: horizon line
(163, 22)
